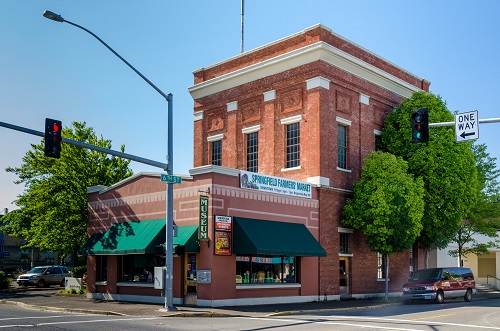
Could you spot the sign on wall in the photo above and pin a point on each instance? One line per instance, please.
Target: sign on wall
(223, 236)
(203, 228)
(271, 184)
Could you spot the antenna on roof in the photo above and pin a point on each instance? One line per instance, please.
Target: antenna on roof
(242, 23)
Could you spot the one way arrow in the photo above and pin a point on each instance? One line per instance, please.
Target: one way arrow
(463, 134)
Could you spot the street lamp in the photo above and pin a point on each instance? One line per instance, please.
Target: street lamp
(170, 156)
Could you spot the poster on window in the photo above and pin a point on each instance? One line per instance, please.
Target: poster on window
(223, 235)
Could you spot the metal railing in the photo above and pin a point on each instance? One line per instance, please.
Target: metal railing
(488, 277)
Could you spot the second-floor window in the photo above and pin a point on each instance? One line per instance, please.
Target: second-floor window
(253, 152)
(293, 145)
(342, 147)
(344, 243)
(217, 152)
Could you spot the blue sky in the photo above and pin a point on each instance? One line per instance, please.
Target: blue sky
(50, 69)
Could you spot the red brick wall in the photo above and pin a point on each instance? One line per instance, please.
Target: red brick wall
(319, 108)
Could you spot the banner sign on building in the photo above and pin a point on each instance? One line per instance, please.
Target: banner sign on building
(203, 228)
(223, 235)
(271, 184)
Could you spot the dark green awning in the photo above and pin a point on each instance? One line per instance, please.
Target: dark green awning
(188, 236)
(260, 237)
(138, 237)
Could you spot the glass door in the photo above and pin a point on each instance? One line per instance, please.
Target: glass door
(344, 275)
(190, 272)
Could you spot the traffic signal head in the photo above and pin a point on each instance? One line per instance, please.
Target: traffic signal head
(53, 138)
(420, 126)
(179, 250)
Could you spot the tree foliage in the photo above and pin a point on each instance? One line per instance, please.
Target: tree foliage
(52, 212)
(387, 205)
(484, 216)
(446, 167)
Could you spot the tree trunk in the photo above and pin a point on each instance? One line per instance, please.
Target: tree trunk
(460, 247)
(426, 258)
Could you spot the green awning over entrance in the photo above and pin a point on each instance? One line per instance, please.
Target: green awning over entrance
(138, 237)
(260, 237)
(188, 236)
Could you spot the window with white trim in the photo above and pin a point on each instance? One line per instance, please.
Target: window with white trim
(217, 152)
(342, 146)
(253, 152)
(345, 239)
(293, 145)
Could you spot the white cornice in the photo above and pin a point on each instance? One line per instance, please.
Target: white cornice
(214, 169)
(320, 51)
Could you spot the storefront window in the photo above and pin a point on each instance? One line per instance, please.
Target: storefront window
(265, 269)
(102, 268)
(138, 268)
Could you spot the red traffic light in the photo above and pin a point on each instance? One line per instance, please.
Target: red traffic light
(53, 138)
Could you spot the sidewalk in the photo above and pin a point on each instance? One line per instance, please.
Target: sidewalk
(51, 300)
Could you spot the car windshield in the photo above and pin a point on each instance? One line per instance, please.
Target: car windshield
(37, 270)
(424, 275)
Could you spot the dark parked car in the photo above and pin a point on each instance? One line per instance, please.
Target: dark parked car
(440, 283)
(44, 276)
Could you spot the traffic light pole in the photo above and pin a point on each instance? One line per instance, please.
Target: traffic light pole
(89, 146)
(483, 121)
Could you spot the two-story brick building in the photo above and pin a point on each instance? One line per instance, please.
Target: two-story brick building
(280, 135)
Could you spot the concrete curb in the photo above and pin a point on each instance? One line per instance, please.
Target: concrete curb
(330, 310)
(72, 310)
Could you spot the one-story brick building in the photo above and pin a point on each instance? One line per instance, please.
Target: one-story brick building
(280, 135)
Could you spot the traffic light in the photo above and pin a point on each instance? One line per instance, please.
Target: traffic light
(53, 138)
(420, 126)
(179, 250)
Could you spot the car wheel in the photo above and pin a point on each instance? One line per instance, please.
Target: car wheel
(41, 283)
(468, 295)
(439, 297)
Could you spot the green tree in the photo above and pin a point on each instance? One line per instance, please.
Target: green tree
(446, 167)
(52, 212)
(484, 216)
(387, 205)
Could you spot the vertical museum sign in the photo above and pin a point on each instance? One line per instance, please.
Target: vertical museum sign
(203, 228)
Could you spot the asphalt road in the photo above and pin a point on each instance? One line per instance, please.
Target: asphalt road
(454, 315)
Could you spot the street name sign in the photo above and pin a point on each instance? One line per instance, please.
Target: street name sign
(171, 179)
(466, 126)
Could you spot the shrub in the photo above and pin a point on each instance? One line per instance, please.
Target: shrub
(78, 272)
(4, 281)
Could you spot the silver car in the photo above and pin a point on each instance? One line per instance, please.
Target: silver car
(44, 276)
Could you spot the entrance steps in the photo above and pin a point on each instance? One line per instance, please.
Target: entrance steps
(486, 288)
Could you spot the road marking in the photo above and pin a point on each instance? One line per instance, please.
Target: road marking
(438, 316)
(77, 322)
(30, 317)
(367, 319)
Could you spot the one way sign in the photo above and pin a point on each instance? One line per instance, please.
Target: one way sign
(466, 126)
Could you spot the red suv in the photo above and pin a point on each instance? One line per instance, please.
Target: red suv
(440, 283)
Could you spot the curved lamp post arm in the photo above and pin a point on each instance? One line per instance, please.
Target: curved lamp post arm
(58, 18)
